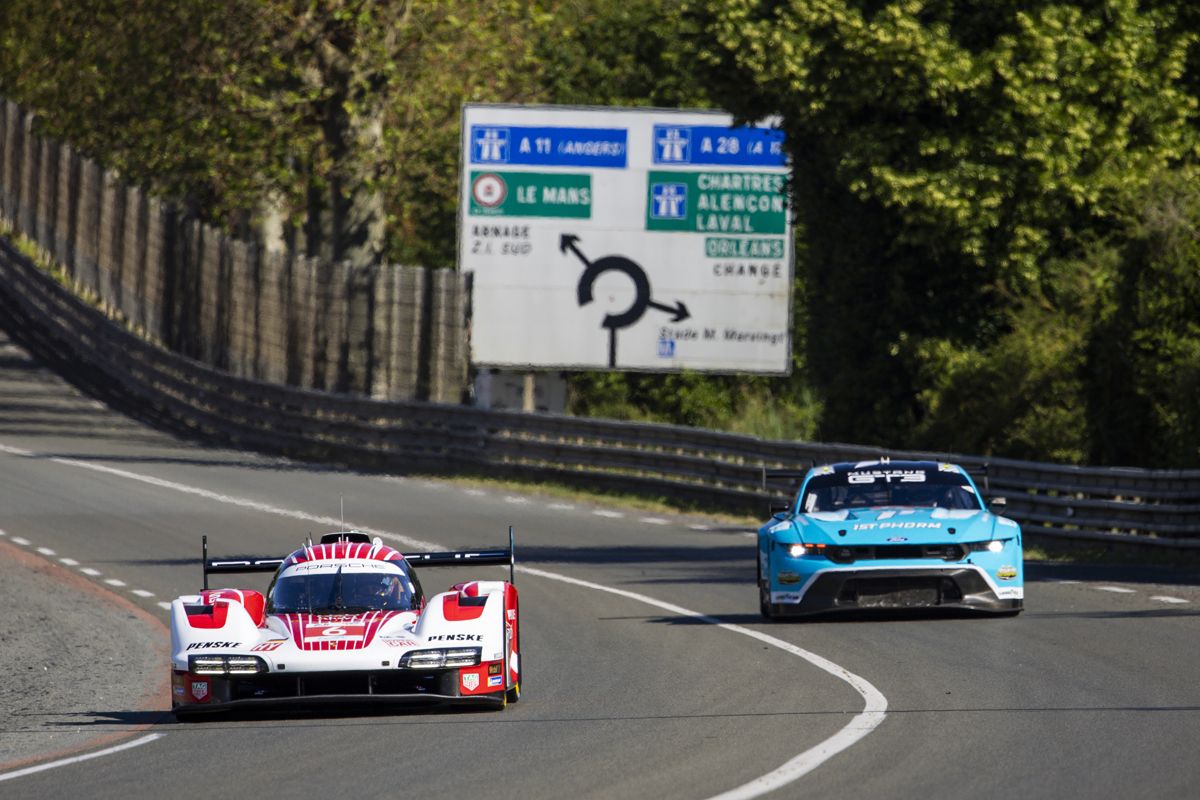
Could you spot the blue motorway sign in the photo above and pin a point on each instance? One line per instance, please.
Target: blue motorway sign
(719, 146)
(549, 147)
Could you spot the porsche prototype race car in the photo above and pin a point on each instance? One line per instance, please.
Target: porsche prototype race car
(345, 621)
(889, 535)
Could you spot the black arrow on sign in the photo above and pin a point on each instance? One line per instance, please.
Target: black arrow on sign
(641, 300)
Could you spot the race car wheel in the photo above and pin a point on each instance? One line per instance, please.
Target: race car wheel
(764, 596)
(513, 693)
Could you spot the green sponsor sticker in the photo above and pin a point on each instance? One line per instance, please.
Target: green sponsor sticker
(733, 247)
(716, 202)
(531, 194)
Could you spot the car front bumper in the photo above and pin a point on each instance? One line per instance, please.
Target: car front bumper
(891, 588)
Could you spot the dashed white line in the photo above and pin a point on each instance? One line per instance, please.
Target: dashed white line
(477, 492)
(46, 551)
(654, 521)
(1069, 583)
(114, 582)
(600, 512)
(21, 541)
(1162, 598)
(20, 773)
(70, 562)
(700, 527)
(89, 571)
(164, 606)
(142, 593)
(516, 501)
(561, 507)
(1116, 589)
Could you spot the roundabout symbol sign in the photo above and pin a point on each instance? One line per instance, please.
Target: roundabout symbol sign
(641, 299)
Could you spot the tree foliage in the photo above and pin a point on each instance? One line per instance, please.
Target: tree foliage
(1143, 363)
(996, 246)
(946, 154)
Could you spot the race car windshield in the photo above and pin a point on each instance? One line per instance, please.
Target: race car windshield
(873, 488)
(342, 592)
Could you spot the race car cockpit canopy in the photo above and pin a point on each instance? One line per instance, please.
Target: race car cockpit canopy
(326, 587)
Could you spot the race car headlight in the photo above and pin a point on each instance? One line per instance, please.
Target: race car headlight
(226, 665)
(245, 665)
(994, 546)
(799, 549)
(440, 658)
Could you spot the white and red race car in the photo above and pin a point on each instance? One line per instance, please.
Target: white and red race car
(346, 622)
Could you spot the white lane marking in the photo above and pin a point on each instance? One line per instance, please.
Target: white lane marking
(21, 540)
(164, 606)
(15, 451)
(875, 704)
(873, 713)
(477, 492)
(700, 527)
(654, 521)
(20, 773)
(114, 582)
(334, 523)
(1116, 589)
(1069, 583)
(70, 562)
(1162, 598)
(46, 551)
(90, 571)
(516, 501)
(561, 507)
(142, 593)
(3, 532)
(610, 514)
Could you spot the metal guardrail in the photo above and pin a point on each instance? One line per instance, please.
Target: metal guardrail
(1155, 508)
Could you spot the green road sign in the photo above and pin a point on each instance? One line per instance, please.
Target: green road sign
(531, 194)
(737, 203)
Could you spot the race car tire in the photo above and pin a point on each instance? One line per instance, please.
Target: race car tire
(764, 596)
(513, 693)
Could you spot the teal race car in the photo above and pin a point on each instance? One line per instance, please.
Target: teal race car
(889, 535)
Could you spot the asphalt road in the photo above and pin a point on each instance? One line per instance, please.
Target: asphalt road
(1093, 692)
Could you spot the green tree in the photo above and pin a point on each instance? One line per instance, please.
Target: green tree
(1144, 360)
(944, 153)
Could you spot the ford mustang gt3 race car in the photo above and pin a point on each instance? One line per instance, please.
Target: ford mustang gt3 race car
(346, 621)
(889, 535)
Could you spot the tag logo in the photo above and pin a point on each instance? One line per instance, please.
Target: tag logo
(199, 689)
(470, 681)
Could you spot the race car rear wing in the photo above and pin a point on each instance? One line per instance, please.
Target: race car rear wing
(792, 476)
(453, 558)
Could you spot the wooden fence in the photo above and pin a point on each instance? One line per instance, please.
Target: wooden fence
(388, 332)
